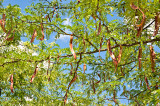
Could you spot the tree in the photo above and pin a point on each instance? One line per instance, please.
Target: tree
(106, 61)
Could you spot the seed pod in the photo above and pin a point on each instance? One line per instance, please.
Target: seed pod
(122, 72)
(33, 76)
(152, 58)
(42, 31)
(71, 47)
(99, 28)
(2, 23)
(156, 24)
(143, 19)
(120, 54)
(11, 87)
(11, 38)
(100, 48)
(94, 90)
(139, 30)
(34, 35)
(140, 57)
(46, 17)
(104, 75)
(112, 54)
(143, 15)
(4, 18)
(84, 67)
(146, 80)
(133, 6)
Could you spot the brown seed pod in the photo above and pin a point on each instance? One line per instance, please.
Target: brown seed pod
(111, 53)
(99, 28)
(42, 31)
(143, 19)
(140, 26)
(133, 6)
(120, 54)
(2, 23)
(140, 57)
(11, 87)
(71, 46)
(146, 80)
(34, 35)
(113, 56)
(11, 38)
(152, 58)
(94, 90)
(157, 23)
(122, 72)
(100, 48)
(84, 68)
(33, 76)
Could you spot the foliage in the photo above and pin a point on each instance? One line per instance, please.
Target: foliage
(126, 68)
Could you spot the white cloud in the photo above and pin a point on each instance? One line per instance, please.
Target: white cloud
(65, 37)
(67, 22)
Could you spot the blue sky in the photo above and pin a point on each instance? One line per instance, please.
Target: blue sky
(63, 41)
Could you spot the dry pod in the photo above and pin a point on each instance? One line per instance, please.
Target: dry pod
(42, 31)
(11, 87)
(140, 26)
(152, 58)
(115, 61)
(84, 68)
(120, 54)
(11, 38)
(34, 35)
(33, 76)
(143, 15)
(94, 90)
(157, 23)
(99, 28)
(111, 53)
(2, 23)
(146, 80)
(140, 57)
(71, 46)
